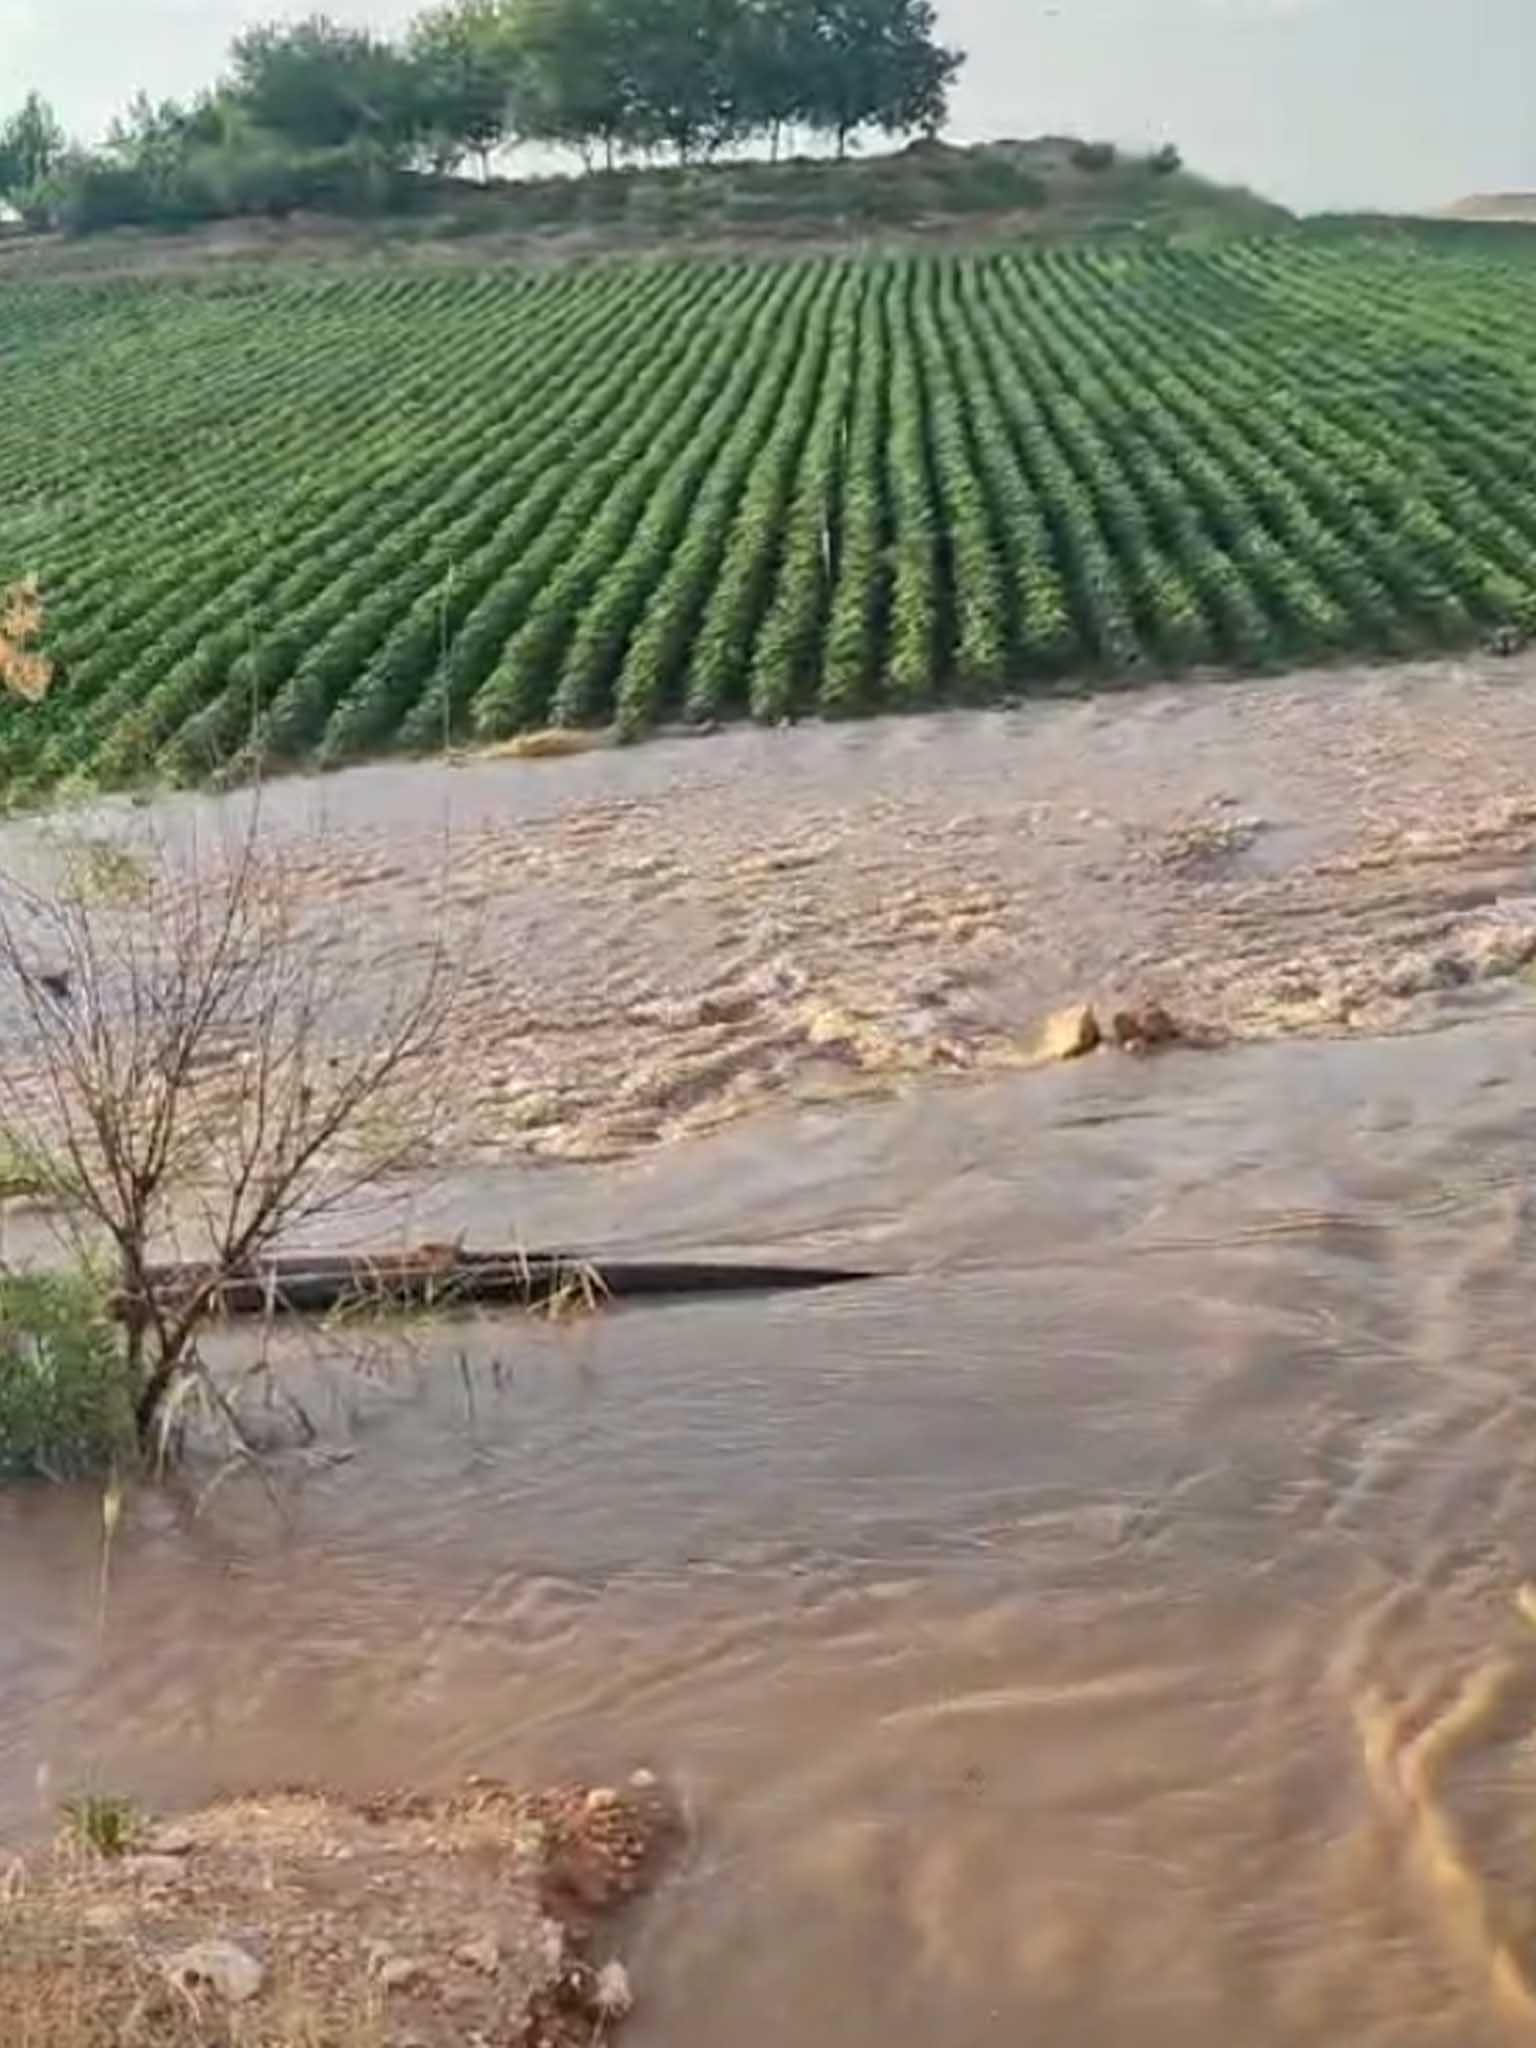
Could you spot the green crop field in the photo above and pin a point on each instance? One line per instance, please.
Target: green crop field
(313, 516)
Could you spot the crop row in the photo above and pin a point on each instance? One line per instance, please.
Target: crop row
(288, 519)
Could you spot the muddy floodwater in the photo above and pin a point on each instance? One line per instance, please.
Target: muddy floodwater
(1113, 1625)
(1106, 1629)
(659, 941)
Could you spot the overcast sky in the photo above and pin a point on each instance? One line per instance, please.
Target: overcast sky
(1317, 102)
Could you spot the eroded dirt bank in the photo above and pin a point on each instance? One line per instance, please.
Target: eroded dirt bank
(298, 1918)
(665, 939)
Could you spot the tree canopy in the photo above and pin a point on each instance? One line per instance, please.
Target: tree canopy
(698, 75)
(32, 144)
(321, 85)
(465, 66)
(317, 112)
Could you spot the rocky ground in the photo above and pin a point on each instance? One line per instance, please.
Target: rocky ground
(298, 1921)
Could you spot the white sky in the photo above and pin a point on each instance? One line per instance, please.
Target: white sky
(1317, 102)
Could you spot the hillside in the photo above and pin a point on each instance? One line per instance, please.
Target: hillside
(321, 514)
(929, 193)
(1517, 206)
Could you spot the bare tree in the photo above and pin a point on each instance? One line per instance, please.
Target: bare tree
(199, 1062)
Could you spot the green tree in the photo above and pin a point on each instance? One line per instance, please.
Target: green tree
(876, 64)
(32, 146)
(575, 77)
(687, 88)
(151, 136)
(774, 48)
(322, 86)
(466, 59)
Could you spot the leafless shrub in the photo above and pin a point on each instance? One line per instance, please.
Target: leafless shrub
(202, 1066)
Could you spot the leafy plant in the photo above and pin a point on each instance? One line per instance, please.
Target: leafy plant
(66, 1394)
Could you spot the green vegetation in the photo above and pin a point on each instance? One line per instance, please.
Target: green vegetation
(316, 115)
(105, 1825)
(924, 193)
(66, 1399)
(310, 516)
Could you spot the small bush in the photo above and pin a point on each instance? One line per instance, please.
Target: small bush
(1095, 156)
(1164, 162)
(65, 1404)
(991, 184)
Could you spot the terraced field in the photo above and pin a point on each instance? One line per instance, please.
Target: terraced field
(320, 515)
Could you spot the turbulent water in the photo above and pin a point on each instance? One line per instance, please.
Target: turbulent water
(1105, 1628)
(658, 941)
(1109, 1626)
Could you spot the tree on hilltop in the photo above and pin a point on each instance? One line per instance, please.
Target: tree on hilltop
(321, 86)
(575, 85)
(875, 64)
(695, 75)
(466, 60)
(32, 146)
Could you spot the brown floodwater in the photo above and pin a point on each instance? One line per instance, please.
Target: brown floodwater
(659, 941)
(1107, 1626)
(1104, 1628)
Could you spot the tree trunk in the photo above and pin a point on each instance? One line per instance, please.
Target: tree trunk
(773, 146)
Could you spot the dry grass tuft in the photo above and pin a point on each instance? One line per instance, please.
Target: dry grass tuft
(24, 669)
(554, 745)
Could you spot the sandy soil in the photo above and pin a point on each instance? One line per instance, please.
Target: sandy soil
(296, 1919)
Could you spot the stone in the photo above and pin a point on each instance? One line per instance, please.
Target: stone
(222, 1967)
(399, 1973)
(1141, 1030)
(171, 1842)
(1068, 1035)
(612, 1997)
(551, 1946)
(482, 1954)
(155, 1871)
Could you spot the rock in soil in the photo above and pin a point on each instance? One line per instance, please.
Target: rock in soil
(469, 1917)
(217, 1966)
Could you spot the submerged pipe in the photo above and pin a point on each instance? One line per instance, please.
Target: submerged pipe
(319, 1283)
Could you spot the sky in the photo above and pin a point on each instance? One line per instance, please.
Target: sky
(1390, 103)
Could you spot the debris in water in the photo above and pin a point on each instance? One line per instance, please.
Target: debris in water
(1142, 1030)
(1068, 1035)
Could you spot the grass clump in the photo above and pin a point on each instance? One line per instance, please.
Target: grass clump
(105, 1825)
(66, 1405)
